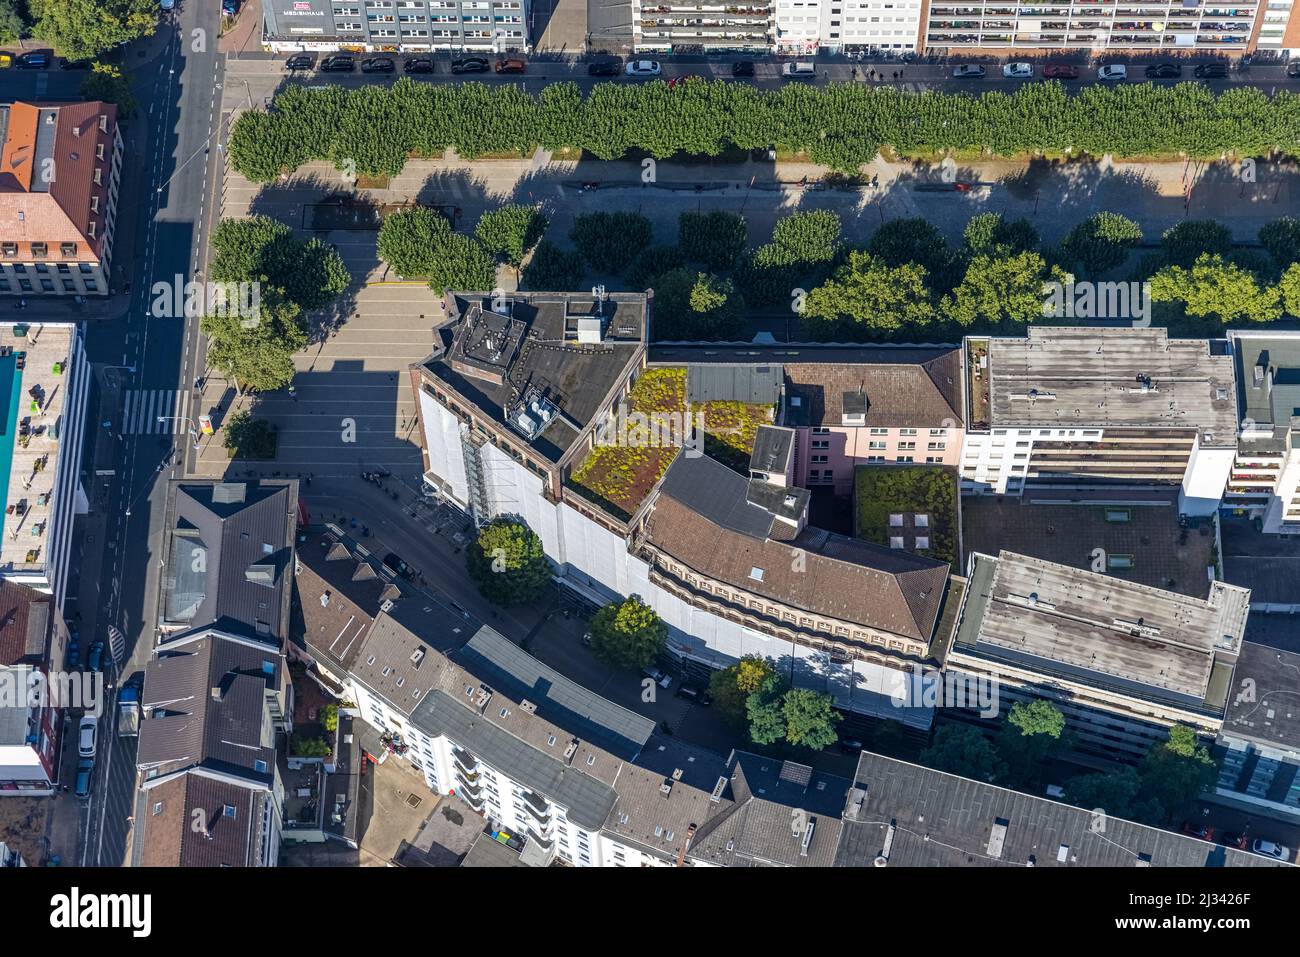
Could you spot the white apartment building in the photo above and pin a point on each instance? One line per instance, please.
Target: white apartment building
(832, 26)
(392, 26)
(1106, 411)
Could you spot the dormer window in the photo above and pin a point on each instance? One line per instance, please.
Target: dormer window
(40, 250)
(67, 249)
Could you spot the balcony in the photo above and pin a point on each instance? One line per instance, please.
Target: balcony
(538, 805)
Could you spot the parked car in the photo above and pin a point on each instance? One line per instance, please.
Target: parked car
(1018, 71)
(967, 71)
(35, 60)
(657, 676)
(85, 767)
(1115, 71)
(1239, 841)
(74, 649)
(742, 68)
(681, 80)
(378, 64)
(643, 68)
(419, 64)
(394, 562)
(338, 63)
(300, 61)
(1163, 71)
(1061, 71)
(96, 659)
(1202, 831)
(87, 732)
(605, 68)
(1293, 69)
(511, 65)
(6, 60)
(851, 746)
(1211, 71)
(692, 693)
(469, 64)
(75, 64)
(799, 71)
(1270, 849)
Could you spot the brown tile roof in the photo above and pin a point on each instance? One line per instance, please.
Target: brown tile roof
(22, 633)
(192, 829)
(841, 578)
(911, 389)
(62, 211)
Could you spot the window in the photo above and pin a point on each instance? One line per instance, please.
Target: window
(895, 541)
(819, 459)
(228, 811)
(157, 808)
(260, 766)
(922, 541)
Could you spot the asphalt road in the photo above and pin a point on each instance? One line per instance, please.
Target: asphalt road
(177, 84)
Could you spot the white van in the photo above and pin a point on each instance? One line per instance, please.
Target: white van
(799, 71)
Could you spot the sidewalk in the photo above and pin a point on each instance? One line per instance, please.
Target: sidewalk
(246, 34)
(63, 308)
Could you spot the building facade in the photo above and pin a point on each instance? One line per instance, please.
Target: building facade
(397, 26)
(60, 171)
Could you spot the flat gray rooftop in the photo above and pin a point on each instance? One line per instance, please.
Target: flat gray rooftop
(1100, 630)
(1112, 378)
(1270, 712)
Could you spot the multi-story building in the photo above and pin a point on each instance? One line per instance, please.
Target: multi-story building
(833, 26)
(1123, 661)
(1099, 412)
(1259, 746)
(903, 815)
(721, 25)
(525, 412)
(60, 169)
(45, 379)
(849, 406)
(407, 26)
(1265, 477)
(1162, 26)
(31, 712)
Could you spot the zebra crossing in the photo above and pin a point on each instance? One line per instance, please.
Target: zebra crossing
(144, 407)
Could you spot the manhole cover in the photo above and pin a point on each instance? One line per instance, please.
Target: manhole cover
(414, 800)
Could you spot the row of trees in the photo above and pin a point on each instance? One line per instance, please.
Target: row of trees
(752, 694)
(420, 243)
(78, 29)
(293, 277)
(841, 126)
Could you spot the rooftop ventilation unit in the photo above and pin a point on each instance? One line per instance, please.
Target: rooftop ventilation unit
(998, 836)
(807, 839)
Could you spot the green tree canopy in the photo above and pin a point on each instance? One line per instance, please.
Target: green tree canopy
(1101, 242)
(1000, 292)
(553, 269)
(245, 437)
(509, 232)
(420, 243)
(628, 634)
(714, 240)
(310, 273)
(809, 718)
(990, 233)
(610, 241)
(1282, 240)
(901, 242)
(698, 306)
(800, 256)
(731, 687)
(765, 711)
(257, 351)
(867, 298)
(507, 563)
(651, 263)
(1033, 733)
(82, 29)
(1177, 771)
(1186, 242)
(12, 26)
(105, 82)
(1216, 288)
(961, 749)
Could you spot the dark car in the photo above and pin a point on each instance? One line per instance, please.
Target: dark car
(742, 68)
(339, 63)
(378, 64)
(1211, 71)
(1163, 71)
(35, 60)
(1293, 69)
(469, 64)
(512, 65)
(96, 659)
(1239, 841)
(74, 64)
(300, 61)
(84, 768)
(398, 567)
(605, 68)
(1060, 71)
(692, 693)
(419, 64)
(851, 746)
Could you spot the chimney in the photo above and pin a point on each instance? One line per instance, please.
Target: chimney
(686, 845)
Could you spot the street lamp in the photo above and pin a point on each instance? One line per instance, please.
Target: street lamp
(189, 424)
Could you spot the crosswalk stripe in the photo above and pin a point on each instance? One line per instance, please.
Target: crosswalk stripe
(143, 408)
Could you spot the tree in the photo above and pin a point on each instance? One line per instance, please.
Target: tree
(628, 634)
(1114, 792)
(715, 240)
(1184, 243)
(1219, 289)
(999, 292)
(903, 241)
(245, 437)
(507, 563)
(809, 718)
(509, 232)
(764, 709)
(989, 233)
(1101, 241)
(731, 687)
(803, 249)
(1282, 240)
(257, 351)
(553, 269)
(866, 298)
(1289, 288)
(1033, 733)
(258, 248)
(697, 306)
(653, 262)
(329, 718)
(82, 29)
(888, 737)
(301, 746)
(420, 243)
(12, 26)
(105, 82)
(1177, 771)
(961, 749)
(610, 241)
